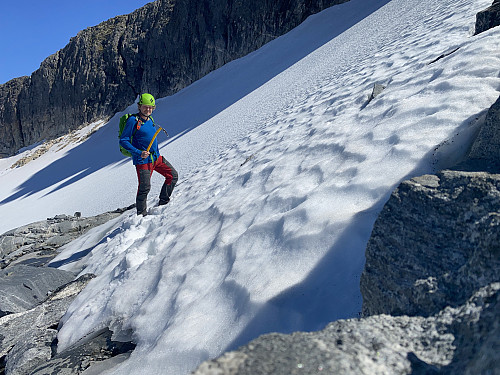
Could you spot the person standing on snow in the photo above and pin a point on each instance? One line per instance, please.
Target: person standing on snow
(136, 137)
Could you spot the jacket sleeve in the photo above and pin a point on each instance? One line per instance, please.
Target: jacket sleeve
(125, 139)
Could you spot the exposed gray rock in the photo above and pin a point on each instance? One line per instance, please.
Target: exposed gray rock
(97, 348)
(27, 337)
(446, 343)
(443, 55)
(485, 151)
(160, 48)
(37, 243)
(436, 241)
(28, 333)
(376, 91)
(476, 329)
(488, 18)
(23, 287)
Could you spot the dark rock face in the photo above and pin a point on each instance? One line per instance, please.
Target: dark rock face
(160, 48)
(11, 133)
(488, 18)
(485, 150)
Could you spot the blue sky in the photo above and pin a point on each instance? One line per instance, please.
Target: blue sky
(32, 30)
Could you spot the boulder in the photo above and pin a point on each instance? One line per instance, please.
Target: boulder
(436, 241)
(488, 18)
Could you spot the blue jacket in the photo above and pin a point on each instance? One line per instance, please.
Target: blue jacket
(140, 140)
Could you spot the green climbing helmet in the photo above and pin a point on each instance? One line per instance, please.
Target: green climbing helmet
(147, 99)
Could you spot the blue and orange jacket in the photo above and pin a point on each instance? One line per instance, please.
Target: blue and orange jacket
(140, 140)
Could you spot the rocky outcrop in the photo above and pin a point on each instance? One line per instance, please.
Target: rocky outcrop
(485, 151)
(23, 287)
(160, 48)
(435, 243)
(27, 338)
(488, 18)
(455, 341)
(33, 299)
(37, 243)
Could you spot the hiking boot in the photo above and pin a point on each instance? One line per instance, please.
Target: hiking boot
(163, 202)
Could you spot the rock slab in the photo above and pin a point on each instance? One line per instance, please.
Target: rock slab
(37, 243)
(27, 338)
(23, 287)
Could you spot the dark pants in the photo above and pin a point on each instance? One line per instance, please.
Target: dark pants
(144, 172)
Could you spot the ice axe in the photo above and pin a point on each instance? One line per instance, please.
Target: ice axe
(154, 137)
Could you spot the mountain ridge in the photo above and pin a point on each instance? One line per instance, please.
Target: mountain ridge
(160, 48)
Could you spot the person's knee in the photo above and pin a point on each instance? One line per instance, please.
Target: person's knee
(175, 176)
(144, 189)
(172, 171)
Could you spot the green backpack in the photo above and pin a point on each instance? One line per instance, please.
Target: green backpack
(123, 122)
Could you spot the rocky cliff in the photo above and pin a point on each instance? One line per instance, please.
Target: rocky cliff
(160, 48)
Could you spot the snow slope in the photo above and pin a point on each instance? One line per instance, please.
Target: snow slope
(284, 167)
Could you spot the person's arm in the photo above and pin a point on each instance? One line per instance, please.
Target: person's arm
(125, 139)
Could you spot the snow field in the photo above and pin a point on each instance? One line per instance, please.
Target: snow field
(280, 189)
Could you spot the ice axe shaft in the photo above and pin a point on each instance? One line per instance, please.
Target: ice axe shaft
(154, 137)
